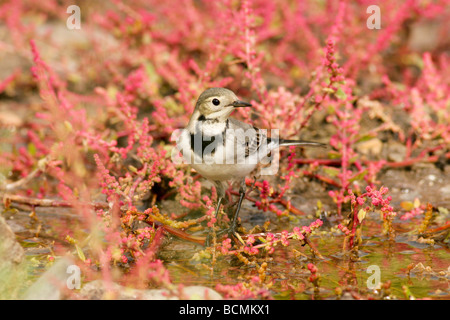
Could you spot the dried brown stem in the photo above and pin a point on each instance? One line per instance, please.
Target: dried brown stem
(19, 183)
(9, 198)
(313, 247)
(183, 235)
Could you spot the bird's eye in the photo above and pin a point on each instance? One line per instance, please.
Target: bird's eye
(216, 102)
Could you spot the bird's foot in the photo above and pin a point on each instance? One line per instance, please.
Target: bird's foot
(211, 235)
(231, 232)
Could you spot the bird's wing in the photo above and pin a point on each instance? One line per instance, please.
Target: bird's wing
(248, 137)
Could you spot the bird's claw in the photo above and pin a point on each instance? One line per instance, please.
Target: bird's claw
(231, 232)
(211, 234)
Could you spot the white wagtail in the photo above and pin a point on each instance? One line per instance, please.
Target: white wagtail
(224, 149)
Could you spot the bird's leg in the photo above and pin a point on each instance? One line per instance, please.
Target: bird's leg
(242, 190)
(211, 230)
(220, 189)
(232, 229)
(219, 202)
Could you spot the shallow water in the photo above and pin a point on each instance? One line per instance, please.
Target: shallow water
(290, 276)
(286, 271)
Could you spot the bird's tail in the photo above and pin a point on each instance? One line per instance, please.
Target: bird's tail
(300, 143)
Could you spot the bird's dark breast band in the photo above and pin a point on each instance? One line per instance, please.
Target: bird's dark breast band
(206, 140)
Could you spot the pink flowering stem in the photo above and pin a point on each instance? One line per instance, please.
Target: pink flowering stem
(154, 246)
(270, 239)
(281, 201)
(322, 178)
(292, 209)
(277, 235)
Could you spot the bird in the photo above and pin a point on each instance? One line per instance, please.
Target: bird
(223, 149)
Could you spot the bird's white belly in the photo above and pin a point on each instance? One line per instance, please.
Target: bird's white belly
(224, 172)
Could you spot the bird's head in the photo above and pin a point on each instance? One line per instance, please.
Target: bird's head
(217, 104)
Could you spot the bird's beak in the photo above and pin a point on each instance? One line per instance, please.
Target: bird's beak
(240, 104)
